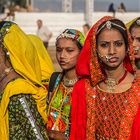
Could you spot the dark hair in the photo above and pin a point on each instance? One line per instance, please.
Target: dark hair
(78, 44)
(119, 25)
(2, 23)
(86, 25)
(135, 24)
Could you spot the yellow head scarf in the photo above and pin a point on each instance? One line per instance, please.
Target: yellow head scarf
(131, 22)
(45, 61)
(25, 62)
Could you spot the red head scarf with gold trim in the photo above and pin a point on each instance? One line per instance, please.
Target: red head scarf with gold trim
(89, 66)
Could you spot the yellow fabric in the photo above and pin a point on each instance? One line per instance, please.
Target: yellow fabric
(25, 61)
(46, 64)
(130, 23)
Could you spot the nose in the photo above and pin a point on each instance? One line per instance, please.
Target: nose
(112, 48)
(135, 43)
(63, 54)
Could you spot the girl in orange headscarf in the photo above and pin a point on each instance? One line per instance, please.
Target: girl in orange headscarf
(105, 101)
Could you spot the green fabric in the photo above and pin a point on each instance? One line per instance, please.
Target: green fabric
(19, 122)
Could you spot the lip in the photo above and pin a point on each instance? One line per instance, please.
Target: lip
(63, 62)
(113, 59)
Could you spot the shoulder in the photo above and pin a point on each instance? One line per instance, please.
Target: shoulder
(16, 100)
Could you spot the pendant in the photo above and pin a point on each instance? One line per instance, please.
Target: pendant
(111, 84)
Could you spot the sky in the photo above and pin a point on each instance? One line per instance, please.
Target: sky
(78, 5)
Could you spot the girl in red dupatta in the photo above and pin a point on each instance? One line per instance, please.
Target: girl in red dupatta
(134, 29)
(105, 101)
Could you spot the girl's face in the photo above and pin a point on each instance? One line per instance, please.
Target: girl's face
(135, 33)
(67, 53)
(111, 47)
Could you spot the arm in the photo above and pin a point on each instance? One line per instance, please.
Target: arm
(48, 33)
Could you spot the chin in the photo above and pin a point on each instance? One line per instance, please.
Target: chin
(63, 68)
(113, 66)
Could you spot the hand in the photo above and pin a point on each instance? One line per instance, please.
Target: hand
(56, 135)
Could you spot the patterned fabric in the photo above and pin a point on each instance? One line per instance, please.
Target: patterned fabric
(59, 110)
(73, 34)
(19, 122)
(113, 113)
(92, 73)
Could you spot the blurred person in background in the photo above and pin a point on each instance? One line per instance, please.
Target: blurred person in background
(134, 29)
(86, 28)
(43, 32)
(112, 9)
(122, 8)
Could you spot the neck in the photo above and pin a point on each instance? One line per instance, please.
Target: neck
(115, 73)
(70, 74)
(11, 76)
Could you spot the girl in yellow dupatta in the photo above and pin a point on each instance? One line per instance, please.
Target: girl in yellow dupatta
(22, 96)
(46, 64)
(134, 28)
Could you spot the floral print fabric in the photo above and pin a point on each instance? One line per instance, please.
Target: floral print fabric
(19, 125)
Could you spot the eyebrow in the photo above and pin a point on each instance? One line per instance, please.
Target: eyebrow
(105, 41)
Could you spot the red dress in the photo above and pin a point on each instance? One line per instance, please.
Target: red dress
(125, 121)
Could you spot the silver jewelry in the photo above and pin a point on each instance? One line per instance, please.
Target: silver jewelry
(136, 48)
(138, 22)
(108, 25)
(69, 82)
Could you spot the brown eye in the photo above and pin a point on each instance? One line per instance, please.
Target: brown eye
(70, 50)
(58, 49)
(118, 43)
(104, 45)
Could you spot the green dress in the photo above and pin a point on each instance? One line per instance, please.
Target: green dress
(25, 122)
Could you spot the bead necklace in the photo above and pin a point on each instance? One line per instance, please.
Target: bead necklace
(111, 83)
(69, 82)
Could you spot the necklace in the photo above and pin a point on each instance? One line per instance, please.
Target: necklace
(69, 82)
(6, 72)
(111, 83)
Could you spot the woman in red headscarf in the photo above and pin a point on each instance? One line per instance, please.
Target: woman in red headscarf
(134, 29)
(105, 101)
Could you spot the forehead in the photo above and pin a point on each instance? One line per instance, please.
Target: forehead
(66, 42)
(110, 34)
(136, 31)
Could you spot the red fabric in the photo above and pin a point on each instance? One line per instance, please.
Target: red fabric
(78, 127)
(135, 132)
(88, 66)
